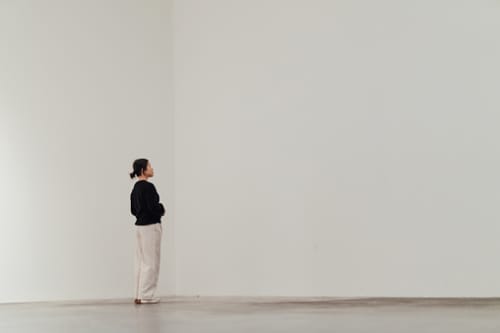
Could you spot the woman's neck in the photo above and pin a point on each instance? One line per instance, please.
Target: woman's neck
(142, 178)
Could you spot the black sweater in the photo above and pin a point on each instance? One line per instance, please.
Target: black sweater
(145, 203)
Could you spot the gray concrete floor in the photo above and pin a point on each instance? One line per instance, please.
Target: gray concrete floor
(233, 315)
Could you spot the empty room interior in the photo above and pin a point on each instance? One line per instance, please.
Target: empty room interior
(330, 166)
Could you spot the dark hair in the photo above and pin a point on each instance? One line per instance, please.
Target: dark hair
(139, 166)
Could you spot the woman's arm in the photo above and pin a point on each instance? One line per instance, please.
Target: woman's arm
(153, 202)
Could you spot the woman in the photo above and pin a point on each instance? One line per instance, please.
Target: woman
(146, 207)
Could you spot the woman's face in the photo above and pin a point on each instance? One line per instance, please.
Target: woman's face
(149, 171)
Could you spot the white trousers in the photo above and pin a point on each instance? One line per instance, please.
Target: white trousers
(147, 266)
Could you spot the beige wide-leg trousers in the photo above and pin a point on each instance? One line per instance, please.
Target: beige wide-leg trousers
(147, 266)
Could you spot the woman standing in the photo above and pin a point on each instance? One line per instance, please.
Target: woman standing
(146, 207)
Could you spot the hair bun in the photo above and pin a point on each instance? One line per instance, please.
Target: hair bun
(132, 174)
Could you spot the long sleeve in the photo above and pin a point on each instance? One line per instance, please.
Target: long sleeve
(145, 204)
(153, 202)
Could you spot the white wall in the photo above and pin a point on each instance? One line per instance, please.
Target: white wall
(337, 148)
(85, 88)
(322, 148)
